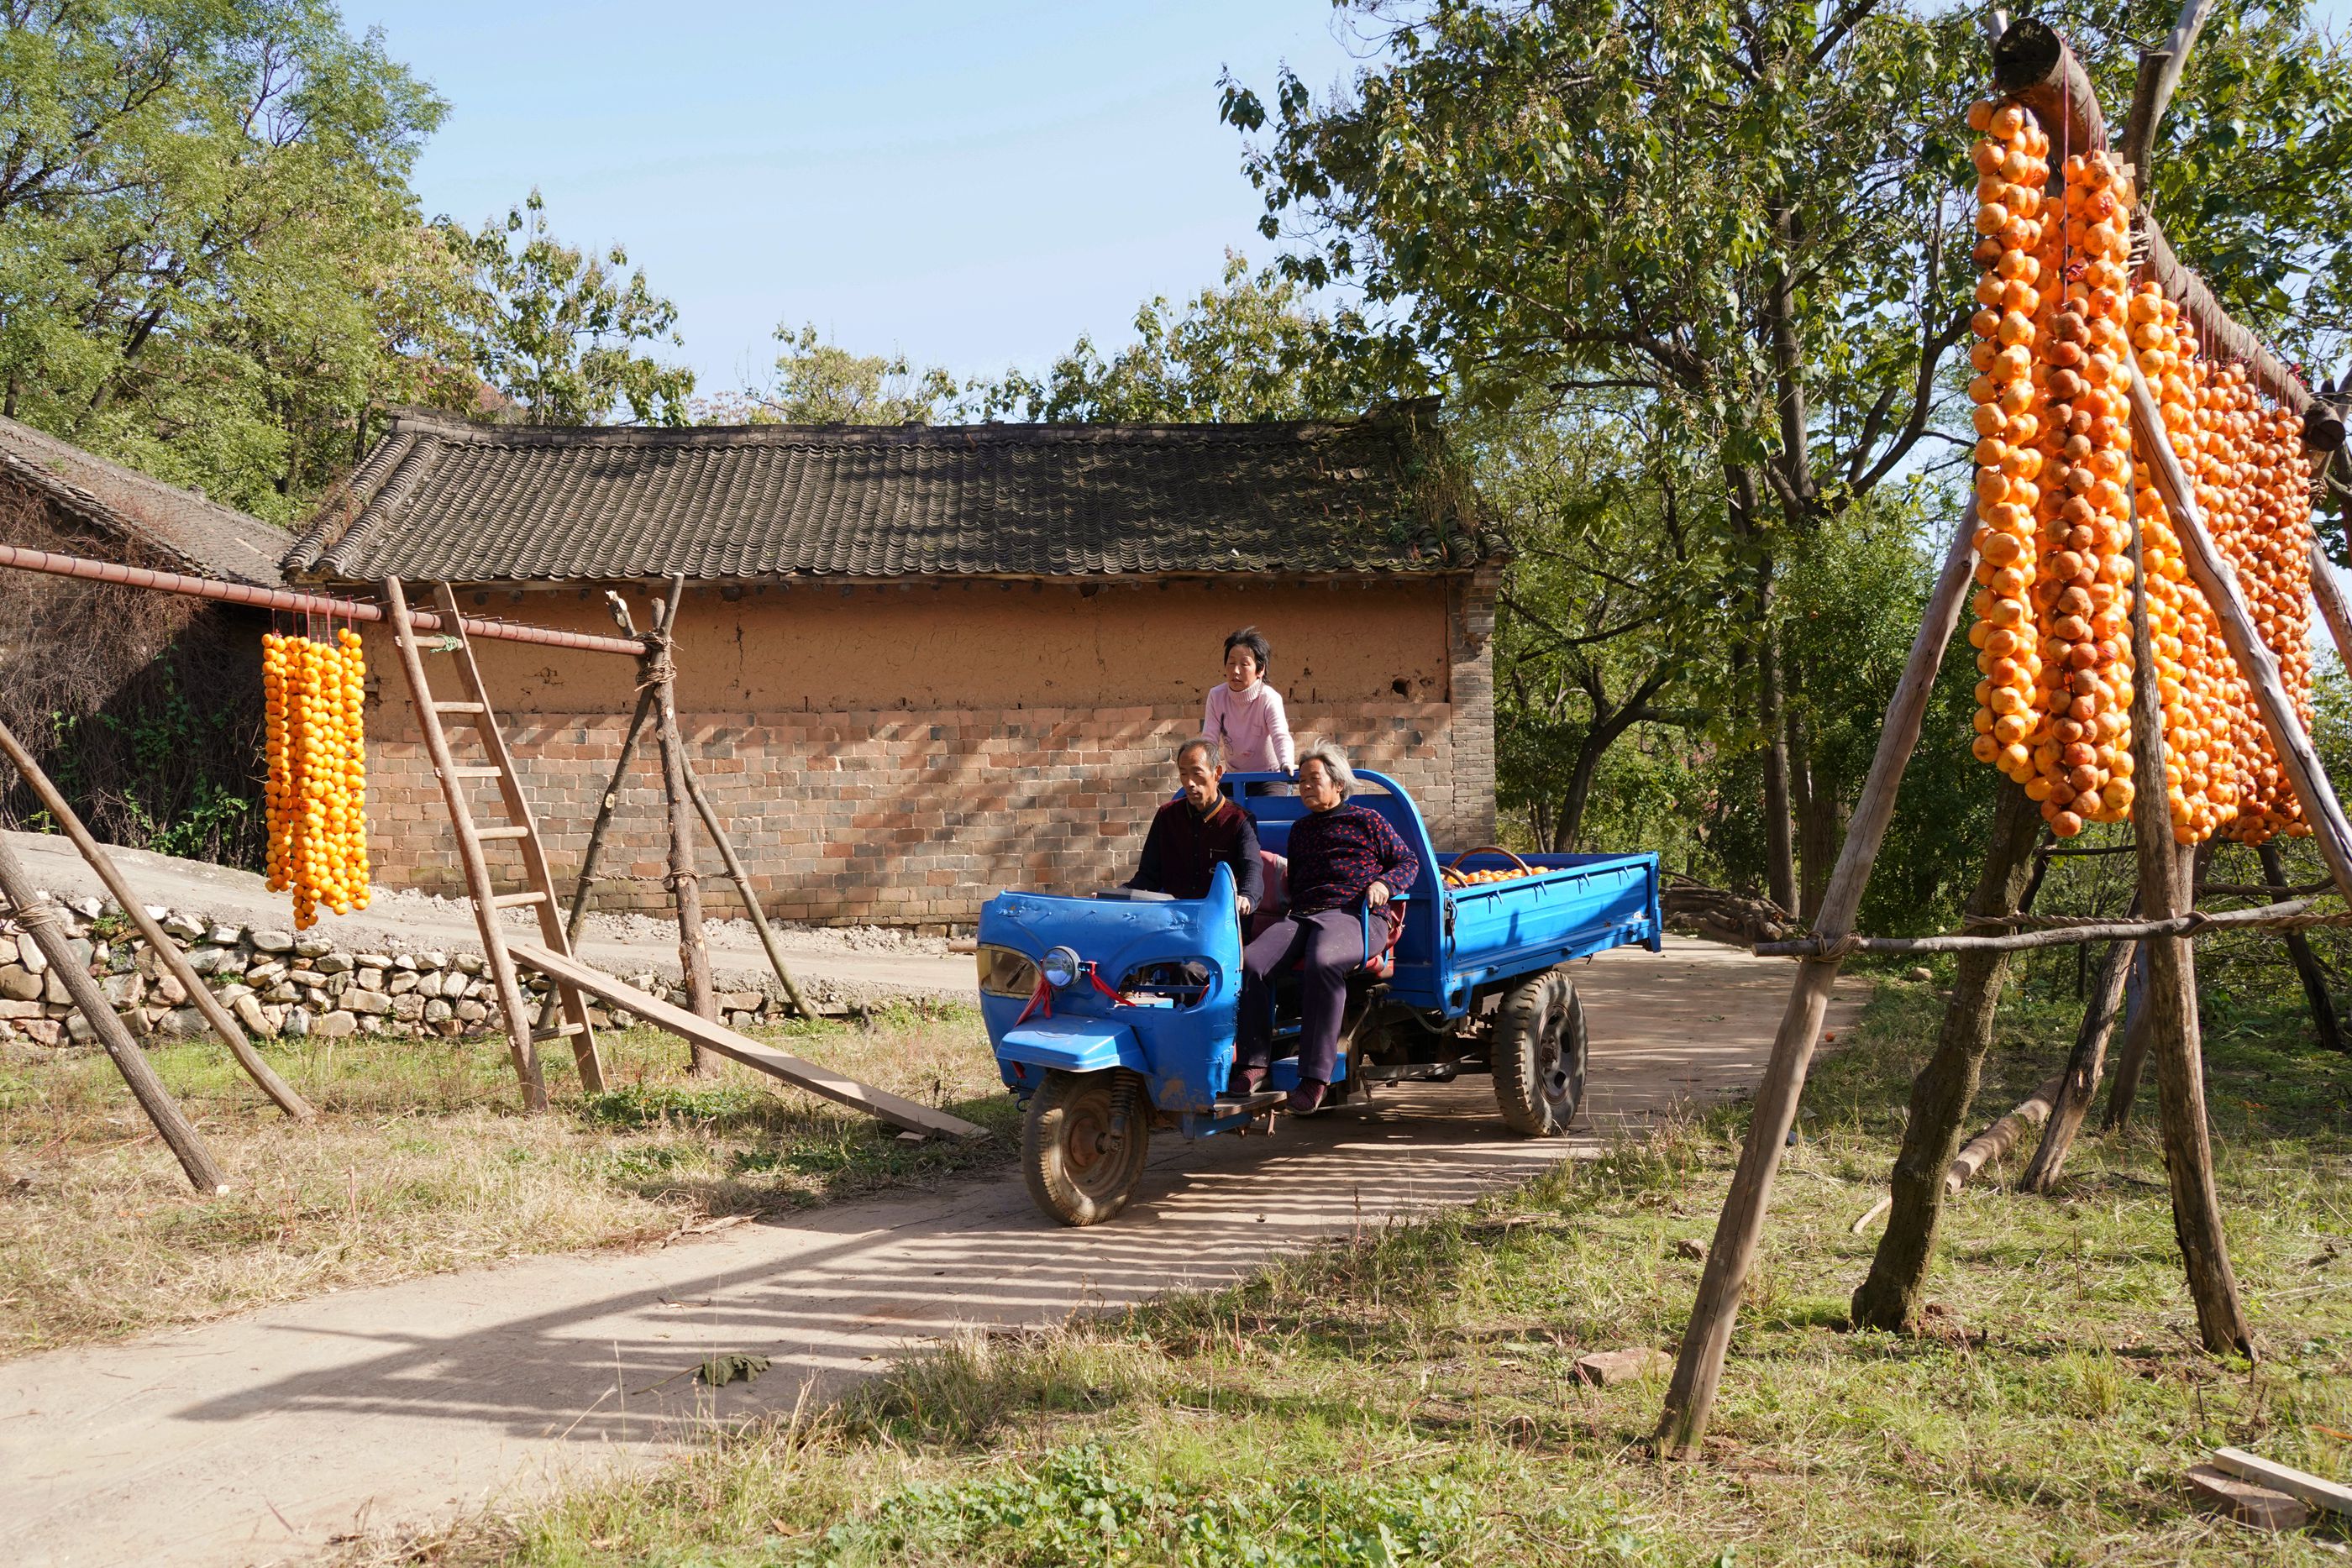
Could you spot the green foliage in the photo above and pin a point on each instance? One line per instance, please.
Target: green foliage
(1079, 1506)
(555, 329)
(1252, 350)
(820, 382)
(201, 202)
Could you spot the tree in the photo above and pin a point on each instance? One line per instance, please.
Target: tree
(1607, 606)
(198, 201)
(1750, 212)
(556, 329)
(820, 383)
(1253, 350)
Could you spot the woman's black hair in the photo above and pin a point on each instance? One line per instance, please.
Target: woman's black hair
(1248, 637)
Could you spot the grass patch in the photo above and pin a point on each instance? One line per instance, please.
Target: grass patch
(419, 1162)
(1410, 1399)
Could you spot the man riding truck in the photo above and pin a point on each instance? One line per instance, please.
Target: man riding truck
(1200, 827)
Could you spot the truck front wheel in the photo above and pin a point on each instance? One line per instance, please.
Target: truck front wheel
(1084, 1145)
(1538, 1053)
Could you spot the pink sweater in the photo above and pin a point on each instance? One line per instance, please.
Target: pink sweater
(1250, 727)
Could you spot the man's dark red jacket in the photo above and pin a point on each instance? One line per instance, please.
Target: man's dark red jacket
(1181, 850)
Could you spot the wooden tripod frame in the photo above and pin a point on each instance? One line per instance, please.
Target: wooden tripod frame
(2034, 65)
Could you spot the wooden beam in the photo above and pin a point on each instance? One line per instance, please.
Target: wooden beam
(2167, 875)
(742, 879)
(2314, 1490)
(2033, 65)
(2159, 75)
(2219, 583)
(1698, 1368)
(167, 952)
(2288, 916)
(2327, 590)
(702, 1031)
(2080, 1081)
(685, 886)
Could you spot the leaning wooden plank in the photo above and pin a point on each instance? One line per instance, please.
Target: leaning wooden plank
(2312, 1490)
(715, 1037)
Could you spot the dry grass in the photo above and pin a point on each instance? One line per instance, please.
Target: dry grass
(418, 1163)
(1410, 1399)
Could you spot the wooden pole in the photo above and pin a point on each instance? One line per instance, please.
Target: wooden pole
(1892, 1294)
(743, 880)
(1698, 1369)
(693, 951)
(2132, 1061)
(2165, 876)
(167, 952)
(2080, 1081)
(2219, 583)
(2306, 962)
(2159, 75)
(39, 921)
(2327, 589)
(2295, 914)
(586, 885)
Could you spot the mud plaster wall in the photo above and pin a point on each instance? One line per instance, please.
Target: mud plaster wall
(896, 753)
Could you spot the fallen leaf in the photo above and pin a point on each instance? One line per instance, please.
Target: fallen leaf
(733, 1367)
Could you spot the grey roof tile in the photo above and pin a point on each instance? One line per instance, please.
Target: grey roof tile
(200, 537)
(440, 500)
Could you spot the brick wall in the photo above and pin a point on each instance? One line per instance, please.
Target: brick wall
(915, 815)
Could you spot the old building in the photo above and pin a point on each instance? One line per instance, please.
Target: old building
(919, 663)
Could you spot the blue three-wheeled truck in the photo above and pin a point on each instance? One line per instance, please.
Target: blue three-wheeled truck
(1114, 1014)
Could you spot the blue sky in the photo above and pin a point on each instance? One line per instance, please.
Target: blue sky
(973, 185)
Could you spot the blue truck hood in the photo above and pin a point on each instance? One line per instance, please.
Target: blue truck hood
(1186, 1052)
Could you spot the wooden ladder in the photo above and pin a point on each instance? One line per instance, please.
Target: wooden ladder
(523, 1036)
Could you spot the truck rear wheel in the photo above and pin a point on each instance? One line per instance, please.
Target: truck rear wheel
(1084, 1145)
(1538, 1052)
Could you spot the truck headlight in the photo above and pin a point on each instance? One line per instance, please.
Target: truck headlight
(1007, 973)
(1061, 964)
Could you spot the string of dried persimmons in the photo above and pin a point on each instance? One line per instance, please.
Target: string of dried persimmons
(315, 694)
(2057, 484)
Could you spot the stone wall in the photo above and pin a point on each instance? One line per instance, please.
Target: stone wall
(278, 986)
(914, 810)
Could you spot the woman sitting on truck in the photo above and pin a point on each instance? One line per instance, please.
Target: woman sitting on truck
(1344, 860)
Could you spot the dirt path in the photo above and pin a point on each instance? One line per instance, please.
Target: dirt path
(262, 1438)
(850, 965)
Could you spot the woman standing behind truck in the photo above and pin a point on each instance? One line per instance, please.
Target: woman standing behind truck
(1244, 715)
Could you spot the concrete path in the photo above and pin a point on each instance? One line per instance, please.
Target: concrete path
(851, 965)
(264, 1438)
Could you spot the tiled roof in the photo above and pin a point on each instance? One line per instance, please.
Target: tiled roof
(478, 503)
(200, 537)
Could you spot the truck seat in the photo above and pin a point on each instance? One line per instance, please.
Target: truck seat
(1381, 963)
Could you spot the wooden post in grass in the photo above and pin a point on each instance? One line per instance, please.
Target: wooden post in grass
(39, 921)
(167, 952)
(2080, 1081)
(1698, 1368)
(2306, 962)
(1892, 1293)
(686, 889)
(743, 880)
(2167, 880)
